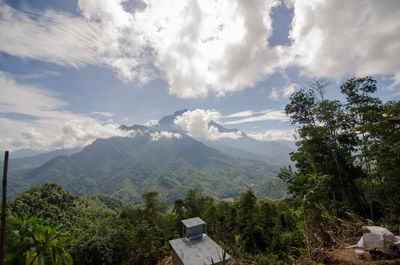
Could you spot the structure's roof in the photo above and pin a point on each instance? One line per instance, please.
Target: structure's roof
(192, 222)
(198, 251)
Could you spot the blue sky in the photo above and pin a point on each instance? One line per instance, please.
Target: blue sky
(73, 71)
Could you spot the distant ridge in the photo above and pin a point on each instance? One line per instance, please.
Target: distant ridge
(38, 160)
(125, 167)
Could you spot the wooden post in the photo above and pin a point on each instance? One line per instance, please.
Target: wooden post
(3, 210)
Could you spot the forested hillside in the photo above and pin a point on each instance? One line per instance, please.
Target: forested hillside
(262, 232)
(126, 167)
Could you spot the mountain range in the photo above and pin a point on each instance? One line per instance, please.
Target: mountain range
(273, 152)
(160, 158)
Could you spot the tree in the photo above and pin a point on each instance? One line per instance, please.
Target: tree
(319, 85)
(152, 207)
(384, 156)
(364, 111)
(349, 141)
(35, 242)
(326, 144)
(247, 206)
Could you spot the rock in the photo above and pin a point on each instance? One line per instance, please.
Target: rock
(359, 253)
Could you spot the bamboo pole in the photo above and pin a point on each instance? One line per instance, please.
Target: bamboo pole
(3, 210)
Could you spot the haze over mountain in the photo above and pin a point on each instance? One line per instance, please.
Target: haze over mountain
(27, 162)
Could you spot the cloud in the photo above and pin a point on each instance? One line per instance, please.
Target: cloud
(274, 94)
(155, 136)
(273, 135)
(29, 100)
(210, 47)
(38, 75)
(289, 89)
(285, 91)
(204, 48)
(102, 113)
(103, 35)
(196, 124)
(241, 114)
(151, 123)
(78, 133)
(196, 45)
(253, 116)
(48, 36)
(329, 40)
(48, 126)
(57, 134)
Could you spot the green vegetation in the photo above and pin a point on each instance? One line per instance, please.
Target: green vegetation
(345, 172)
(106, 202)
(346, 163)
(273, 189)
(263, 231)
(36, 241)
(353, 144)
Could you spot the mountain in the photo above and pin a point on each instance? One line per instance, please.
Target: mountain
(169, 163)
(167, 122)
(26, 153)
(37, 160)
(271, 151)
(274, 152)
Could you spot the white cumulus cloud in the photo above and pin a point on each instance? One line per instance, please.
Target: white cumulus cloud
(205, 47)
(155, 136)
(210, 47)
(81, 132)
(334, 38)
(196, 124)
(199, 47)
(151, 123)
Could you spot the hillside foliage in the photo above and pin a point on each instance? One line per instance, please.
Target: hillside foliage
(259, 231)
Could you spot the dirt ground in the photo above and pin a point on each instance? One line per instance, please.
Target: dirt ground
(348, 257)
(334, 256)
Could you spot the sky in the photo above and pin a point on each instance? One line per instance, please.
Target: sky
(73, 71)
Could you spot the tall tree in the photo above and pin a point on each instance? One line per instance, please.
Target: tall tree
(247, 207)
(328, 138)
(364, 112)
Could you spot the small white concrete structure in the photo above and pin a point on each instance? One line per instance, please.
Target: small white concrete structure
(374, 237)
(196, 248)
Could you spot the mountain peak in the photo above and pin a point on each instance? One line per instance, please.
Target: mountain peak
(167, 122)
